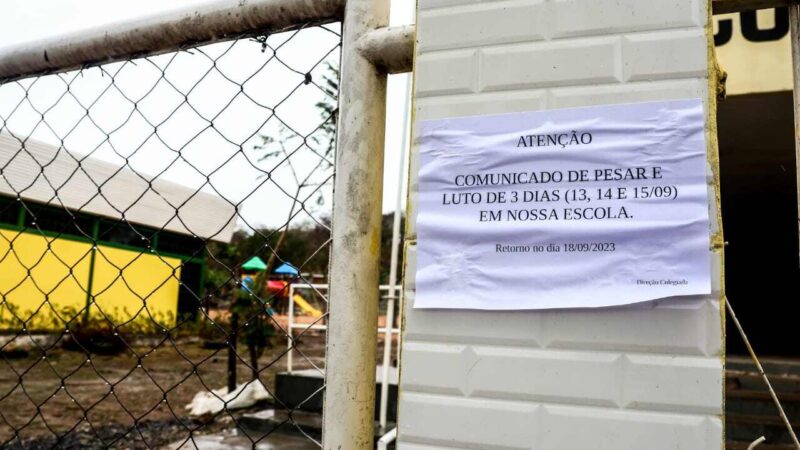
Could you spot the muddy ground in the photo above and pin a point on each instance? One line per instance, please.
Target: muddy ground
(62, 399)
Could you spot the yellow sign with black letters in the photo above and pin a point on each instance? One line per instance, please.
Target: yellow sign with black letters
(753, 47)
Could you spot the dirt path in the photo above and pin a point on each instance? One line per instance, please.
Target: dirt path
(105, 398)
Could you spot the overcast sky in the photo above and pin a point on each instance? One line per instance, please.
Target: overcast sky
(25, 21)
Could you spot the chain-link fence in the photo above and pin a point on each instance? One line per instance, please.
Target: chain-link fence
(153, 214)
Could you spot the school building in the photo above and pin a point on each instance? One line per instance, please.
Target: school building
(148, 263)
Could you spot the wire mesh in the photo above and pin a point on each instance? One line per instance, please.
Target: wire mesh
(144, 207)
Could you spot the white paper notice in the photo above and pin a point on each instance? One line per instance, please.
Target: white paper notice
(572, 208)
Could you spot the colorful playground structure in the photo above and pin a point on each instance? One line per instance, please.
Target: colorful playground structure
(279, 289)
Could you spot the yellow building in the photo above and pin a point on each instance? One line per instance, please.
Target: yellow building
(94, 242)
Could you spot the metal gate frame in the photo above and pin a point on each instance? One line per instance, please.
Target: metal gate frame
(370, 51)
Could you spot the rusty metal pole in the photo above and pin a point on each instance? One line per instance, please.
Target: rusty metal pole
(349, 404)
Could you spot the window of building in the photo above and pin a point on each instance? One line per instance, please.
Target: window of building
(190, 291)
(180, 244)
(9, 210)
(125, 233)
(55, 219)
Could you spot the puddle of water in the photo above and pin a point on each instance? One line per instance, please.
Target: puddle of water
(231, 441)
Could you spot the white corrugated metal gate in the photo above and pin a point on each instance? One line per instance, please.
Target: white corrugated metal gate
(649, 376)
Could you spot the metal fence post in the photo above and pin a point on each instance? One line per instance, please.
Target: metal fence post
(289, 332)
(233, 337)
(393, 291)
(349, 406)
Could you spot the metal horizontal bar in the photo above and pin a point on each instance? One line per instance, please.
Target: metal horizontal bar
(383, 287)
(394, 330)
(390, 49)
(300, 326)
(164, 32)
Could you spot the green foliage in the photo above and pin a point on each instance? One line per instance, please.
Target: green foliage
(95, 336)
(48, 319)
(299, 247)
(87, 333)
(328, 108)
(303, 242)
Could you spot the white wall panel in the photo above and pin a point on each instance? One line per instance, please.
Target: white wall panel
(648, 376)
